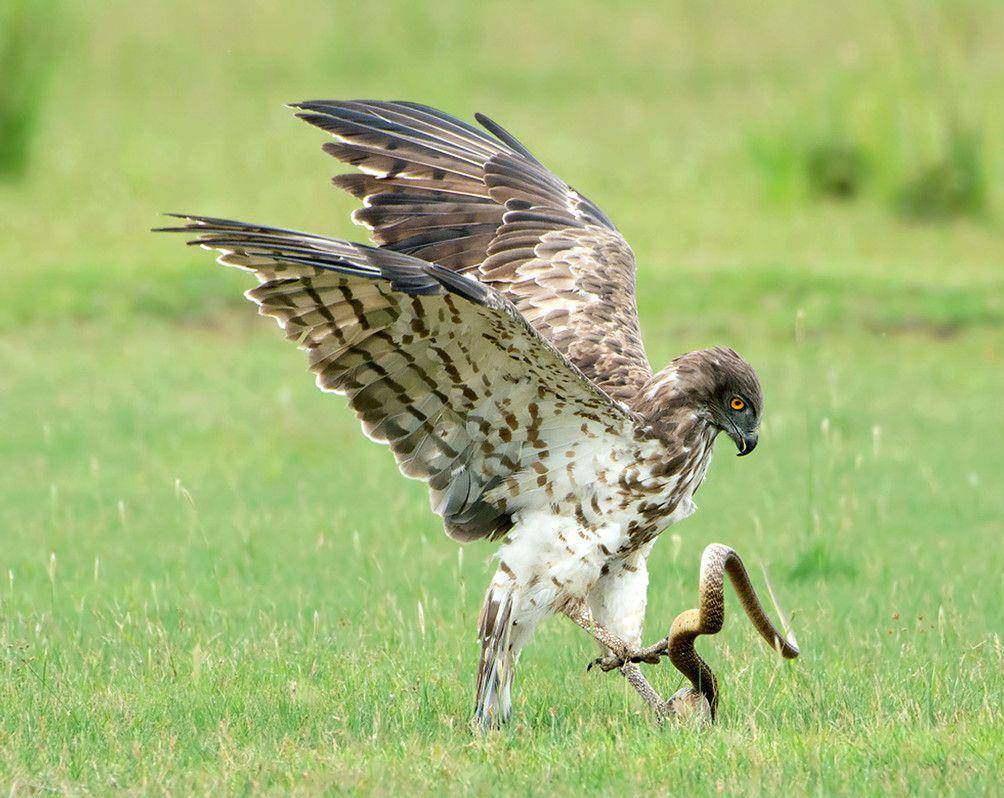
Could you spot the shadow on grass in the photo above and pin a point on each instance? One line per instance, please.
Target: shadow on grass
(820, 561)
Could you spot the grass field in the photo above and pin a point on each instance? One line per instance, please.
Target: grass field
(213, 583)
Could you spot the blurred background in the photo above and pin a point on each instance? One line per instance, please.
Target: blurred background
(213, 579)
(855, 142)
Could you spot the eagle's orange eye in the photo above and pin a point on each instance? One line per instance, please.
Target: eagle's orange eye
(737, 403)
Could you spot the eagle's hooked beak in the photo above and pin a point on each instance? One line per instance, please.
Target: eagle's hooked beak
(745, 441)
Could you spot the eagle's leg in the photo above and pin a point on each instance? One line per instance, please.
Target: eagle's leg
(508, 618)
(624, 657)
(497, 664)
(621, 651)
(617, 603)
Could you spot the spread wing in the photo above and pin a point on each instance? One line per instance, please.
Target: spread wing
(442, 368)
(446, 192)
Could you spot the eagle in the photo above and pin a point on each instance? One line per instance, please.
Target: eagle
(490, 338)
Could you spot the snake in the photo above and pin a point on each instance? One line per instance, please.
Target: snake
(717, 561)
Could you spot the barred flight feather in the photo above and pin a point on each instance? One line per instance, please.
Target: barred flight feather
(444, 191)
(444, 370)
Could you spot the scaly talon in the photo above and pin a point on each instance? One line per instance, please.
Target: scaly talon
(652, 654)
(649, 656)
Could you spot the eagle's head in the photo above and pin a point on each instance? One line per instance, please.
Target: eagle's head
(717, 386)
(732, 397)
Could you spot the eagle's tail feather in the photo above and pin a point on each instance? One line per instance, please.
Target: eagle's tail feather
(497, 665)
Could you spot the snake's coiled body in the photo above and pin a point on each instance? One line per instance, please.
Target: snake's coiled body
(707, 619)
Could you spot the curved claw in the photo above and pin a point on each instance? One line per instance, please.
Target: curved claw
(606, 664)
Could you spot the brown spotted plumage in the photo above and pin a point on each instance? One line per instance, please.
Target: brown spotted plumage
(482, 205)
(491, 339)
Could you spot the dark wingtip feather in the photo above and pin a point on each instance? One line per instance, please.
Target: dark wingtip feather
(175, 228)
(353, 182)
(458, 284)
(505, 136)
(405, 273)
